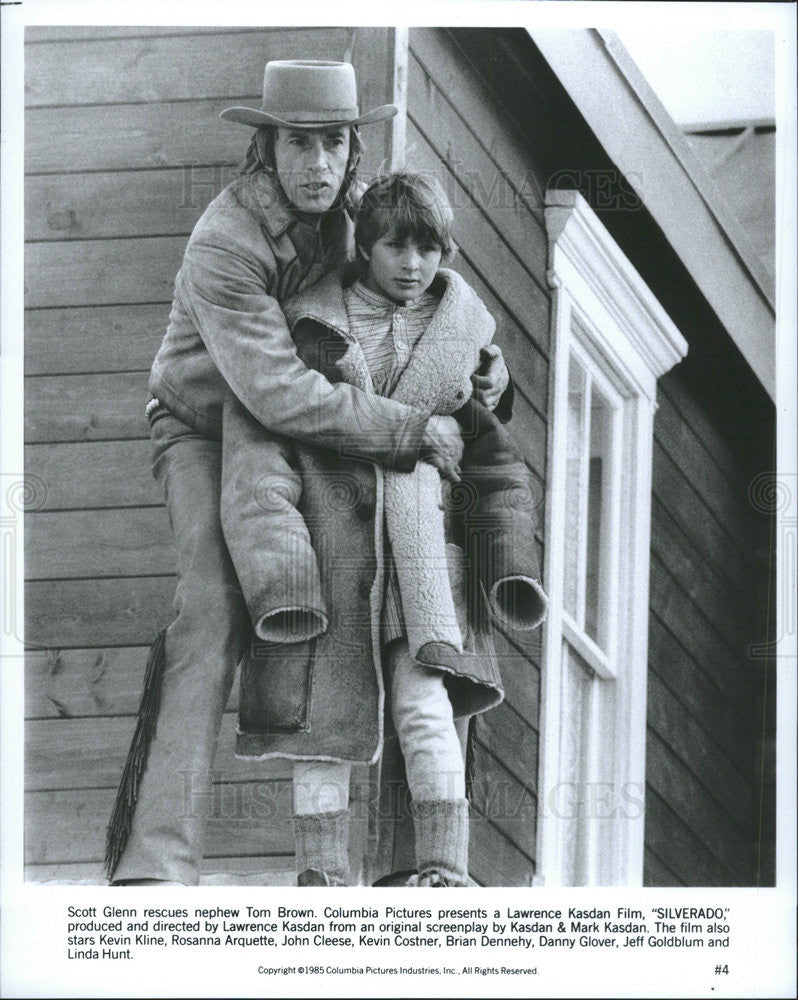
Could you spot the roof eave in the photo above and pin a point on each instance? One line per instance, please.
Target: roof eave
(646, 145)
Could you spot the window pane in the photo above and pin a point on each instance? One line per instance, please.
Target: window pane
(598, 528)
(577, 694)
(574, 488)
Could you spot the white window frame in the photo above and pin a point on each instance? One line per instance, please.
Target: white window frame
(603, 313)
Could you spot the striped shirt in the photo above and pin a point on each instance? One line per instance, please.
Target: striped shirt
(387, 333)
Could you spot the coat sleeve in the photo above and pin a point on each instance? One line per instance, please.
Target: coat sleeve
(504, 408)
(499, 520)
(246, 335)
(266, 536)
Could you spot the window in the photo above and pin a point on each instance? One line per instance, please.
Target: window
(611, 340)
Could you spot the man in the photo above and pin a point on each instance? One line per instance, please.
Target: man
(273, 231)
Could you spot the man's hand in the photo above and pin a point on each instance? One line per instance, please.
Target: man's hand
(491, 378)
(442, 446)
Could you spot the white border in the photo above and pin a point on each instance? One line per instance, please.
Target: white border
(765, 947)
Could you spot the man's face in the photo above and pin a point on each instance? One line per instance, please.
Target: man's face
(311, 164)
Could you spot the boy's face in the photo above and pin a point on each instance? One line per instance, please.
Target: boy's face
(311, 164)
(401, 269)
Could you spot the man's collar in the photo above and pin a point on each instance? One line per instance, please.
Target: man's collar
(270, 202)
(322, 302)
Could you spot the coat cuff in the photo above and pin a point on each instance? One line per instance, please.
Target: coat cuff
(408, 445)
(518, 602)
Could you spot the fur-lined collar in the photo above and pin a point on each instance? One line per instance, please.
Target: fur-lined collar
(437, 377)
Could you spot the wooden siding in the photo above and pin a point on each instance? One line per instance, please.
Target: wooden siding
(119, 167)
(707, 716)
(120, 164)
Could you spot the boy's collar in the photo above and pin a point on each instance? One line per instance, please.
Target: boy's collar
(378, 299)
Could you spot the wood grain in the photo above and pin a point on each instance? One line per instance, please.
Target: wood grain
(91, 753)
(485, 248)
(102, 272)
(72, 683)
(670, 838)
(68, 825)
(694, 412)
(527, 363)
(512, 740)
(493, 859)
(712, 542)
(262, 870)
(91, 474)
(726, 667)
(700, 696)
(95, 339)
(169, 67)
(498, 195)
(130, 137)
(98, 543)
(96, 681)
(529, 433)
(63, 614)
(730, 613)
(120, 203)
(728, 501)
(444, 66)
(510, 804)
(721, 832)
(86, 407)
(521, 678)
(656, 873)
(730, 788)
(37, 34)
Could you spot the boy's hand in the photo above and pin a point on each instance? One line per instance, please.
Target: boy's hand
(491, 378)
(442, 446)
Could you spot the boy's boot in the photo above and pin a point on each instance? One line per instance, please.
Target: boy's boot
(441, 827)
(322, 848)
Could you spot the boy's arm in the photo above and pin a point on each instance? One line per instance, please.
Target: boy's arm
(247, 337)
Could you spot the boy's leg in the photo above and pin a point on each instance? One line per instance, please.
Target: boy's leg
(321, 822)
(203, 646)
(422, 714)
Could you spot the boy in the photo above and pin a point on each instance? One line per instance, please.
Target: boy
(357, 578)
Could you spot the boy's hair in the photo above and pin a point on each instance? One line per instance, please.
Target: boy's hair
(260, 156)
(406, 205)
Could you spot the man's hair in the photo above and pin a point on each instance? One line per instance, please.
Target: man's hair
(406, 205)
(260, 156)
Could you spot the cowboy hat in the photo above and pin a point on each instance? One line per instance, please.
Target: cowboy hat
(305, 93)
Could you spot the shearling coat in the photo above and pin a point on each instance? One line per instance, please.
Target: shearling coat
(304, 526)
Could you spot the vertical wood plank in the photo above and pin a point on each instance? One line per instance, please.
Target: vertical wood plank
(372, 55)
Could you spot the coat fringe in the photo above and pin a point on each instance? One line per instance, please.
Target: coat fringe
(118, 829)
(470, 757)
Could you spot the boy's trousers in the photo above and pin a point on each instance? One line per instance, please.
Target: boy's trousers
(204, 644)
